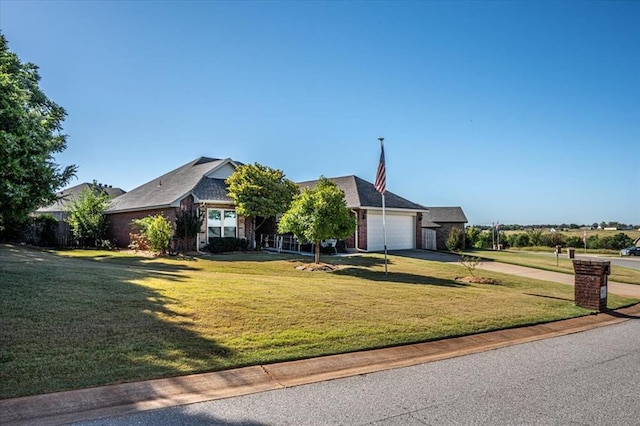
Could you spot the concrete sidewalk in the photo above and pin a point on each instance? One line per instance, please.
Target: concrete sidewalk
(106, 401)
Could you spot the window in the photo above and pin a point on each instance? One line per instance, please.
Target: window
(221, 223)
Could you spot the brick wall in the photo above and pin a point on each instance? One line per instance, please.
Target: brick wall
(362, 229)
(119, 224)
(590, 277)
(442, 233)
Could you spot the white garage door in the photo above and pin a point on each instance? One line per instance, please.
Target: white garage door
(401, 232)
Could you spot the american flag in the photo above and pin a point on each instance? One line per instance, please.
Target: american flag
(381, 174)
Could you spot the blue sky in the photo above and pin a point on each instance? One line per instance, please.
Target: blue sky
(520, 112)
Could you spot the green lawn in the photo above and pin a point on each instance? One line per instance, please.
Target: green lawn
(546, 262)
(72, 319)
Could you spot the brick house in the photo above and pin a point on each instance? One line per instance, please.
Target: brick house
(438, 223)
(403, 217)
(65, 198)
(199, 184)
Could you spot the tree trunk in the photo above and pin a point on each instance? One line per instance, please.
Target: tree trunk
(317, 254)
(252, 242)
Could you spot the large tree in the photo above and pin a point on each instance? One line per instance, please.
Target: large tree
(30, 126)
(260, 191)
(317, 214)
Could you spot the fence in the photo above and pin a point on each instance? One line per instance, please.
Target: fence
(280, 242)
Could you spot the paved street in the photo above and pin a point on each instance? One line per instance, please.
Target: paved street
(580, 379)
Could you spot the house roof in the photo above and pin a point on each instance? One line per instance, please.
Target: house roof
(444, 214)
(66, 196)
(362, 194)
(168, 189)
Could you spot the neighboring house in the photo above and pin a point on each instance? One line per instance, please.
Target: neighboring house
(437, 224)
(65, 197)
(198, 184)
(403, 217)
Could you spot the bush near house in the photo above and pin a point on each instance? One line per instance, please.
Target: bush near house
(227, 244)
(157, 232)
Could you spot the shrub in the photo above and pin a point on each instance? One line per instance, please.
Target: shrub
(226, 244)
(156, 230)
(455, 241)
(573, 241)
(138, 242)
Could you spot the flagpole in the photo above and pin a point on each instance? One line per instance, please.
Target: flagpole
(381, 183)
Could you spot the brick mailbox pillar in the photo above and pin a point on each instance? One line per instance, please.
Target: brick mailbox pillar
(591, 283)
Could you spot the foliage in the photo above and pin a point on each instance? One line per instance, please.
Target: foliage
(260, 191)
(535, 236)
(472, 236)
(138, 242)
(42, 231)
(30, 125)
(157, 231)
(317, 214)
(188, 224)
(226, 244)
(455, 240)
(87, 218)
(484, 240)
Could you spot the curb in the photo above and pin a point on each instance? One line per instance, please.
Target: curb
(113, 400)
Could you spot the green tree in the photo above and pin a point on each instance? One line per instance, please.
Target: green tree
(260, 191)
(157, 231)
(318, 214)
(30, 126)
(535, 236)
(472, 235)
(87, 218)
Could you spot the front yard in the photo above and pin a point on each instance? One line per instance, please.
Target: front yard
(72, 319)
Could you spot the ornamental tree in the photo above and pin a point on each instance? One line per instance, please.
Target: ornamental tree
(30, 126)
(260, 191)
(317, 214)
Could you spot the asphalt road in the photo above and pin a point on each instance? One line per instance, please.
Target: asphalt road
(585, 378)
(632, 262)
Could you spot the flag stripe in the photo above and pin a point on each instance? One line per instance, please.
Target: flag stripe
(381, 174)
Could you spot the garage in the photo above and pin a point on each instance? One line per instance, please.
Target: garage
(401, 233)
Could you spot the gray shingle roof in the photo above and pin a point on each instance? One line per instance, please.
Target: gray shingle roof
(211, 189)
(445, 214)
(66, 196)
(171, 187)
(361, 194)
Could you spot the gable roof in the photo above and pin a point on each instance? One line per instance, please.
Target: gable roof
(362, 194)
(445, 214)
(66, 196)
(168, 189)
